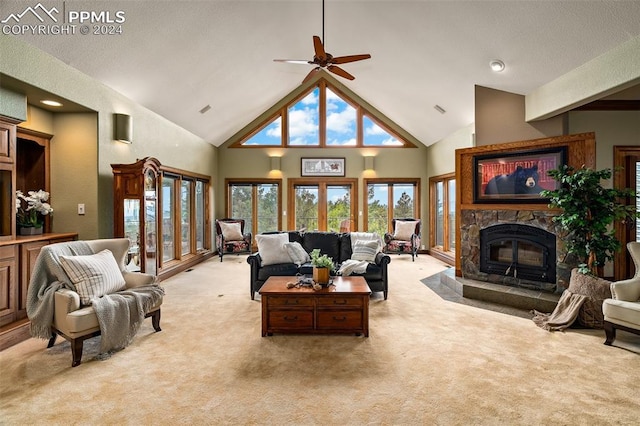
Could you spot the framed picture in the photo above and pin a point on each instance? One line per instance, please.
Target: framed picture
(516, 177)
(322, 167)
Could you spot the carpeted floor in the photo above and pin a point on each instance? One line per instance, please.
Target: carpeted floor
(428, 360)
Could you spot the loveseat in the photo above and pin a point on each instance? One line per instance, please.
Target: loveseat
(338, 246)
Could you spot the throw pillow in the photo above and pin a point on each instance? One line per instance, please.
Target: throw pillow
(365, 250)
(93, 275)
(231, 231)
(297, 253)
(404, 229)
(271, 248)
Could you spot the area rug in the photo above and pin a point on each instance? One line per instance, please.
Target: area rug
(427, 361)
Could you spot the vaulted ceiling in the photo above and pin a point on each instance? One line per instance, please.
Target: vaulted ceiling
(176, 57)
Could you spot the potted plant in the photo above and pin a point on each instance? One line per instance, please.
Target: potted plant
(588, 212)
(322, 266)
(31, 210)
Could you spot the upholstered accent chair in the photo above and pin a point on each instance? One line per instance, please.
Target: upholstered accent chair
(74, 312)
(231, 238)
(622, 311)
(405, 238)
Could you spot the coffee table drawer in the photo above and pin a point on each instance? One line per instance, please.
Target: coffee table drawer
(289, 301)
(339, 301)
(343, 320)
(290, 319)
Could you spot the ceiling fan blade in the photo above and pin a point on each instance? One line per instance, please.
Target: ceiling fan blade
(319, 48)
(339, 71)
(350, 58)
(293, 61)
(311, 74)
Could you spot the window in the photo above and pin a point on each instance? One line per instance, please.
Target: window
(168, 221)
(257, 202)
(322, 205)
(185, 205)
(322, 116)
(184, 214)
(442, 234)
(388, 199)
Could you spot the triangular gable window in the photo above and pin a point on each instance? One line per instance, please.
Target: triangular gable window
(323, 116)
(376, 135)
(269, 135)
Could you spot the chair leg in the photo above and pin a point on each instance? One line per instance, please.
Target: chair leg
(76, 351)
(610, 332)
(155, 320)
(52, 340)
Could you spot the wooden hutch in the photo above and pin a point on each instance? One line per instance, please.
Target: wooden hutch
(24, 165)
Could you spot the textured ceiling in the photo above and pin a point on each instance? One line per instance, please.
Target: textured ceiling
(175, 57)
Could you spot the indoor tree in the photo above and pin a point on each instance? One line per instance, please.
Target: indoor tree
(588, 212)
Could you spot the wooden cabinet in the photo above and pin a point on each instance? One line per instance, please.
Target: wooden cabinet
(8, 284)
(17, 260)
(341, 308)
(135, 196)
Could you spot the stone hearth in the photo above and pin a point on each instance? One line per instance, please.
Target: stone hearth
(473, 221)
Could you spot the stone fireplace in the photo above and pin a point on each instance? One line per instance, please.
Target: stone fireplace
(514, 241)
(515, 248)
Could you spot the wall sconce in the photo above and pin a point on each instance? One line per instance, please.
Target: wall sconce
(122, 128)
(368, 163)
(275, 163)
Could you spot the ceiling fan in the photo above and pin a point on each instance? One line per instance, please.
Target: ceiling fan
(322, 59)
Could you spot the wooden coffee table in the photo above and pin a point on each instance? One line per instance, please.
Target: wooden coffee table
(339, 308)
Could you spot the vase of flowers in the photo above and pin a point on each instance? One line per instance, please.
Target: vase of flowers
(31, 210)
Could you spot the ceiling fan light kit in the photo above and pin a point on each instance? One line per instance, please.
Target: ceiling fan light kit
(322, 59)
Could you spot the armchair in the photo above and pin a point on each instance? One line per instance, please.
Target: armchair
(55, 309)
(405, 237)
(622, 311)
(231, 238)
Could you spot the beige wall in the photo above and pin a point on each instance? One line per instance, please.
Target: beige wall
(153, 136)
(611, 128)
(500, 117)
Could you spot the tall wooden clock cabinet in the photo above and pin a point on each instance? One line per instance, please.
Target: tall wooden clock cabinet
(135, 197)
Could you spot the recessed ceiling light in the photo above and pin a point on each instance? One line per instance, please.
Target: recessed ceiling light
(51, 103)
(496, 65)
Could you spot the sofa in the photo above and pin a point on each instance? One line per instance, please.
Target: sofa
(338, 246)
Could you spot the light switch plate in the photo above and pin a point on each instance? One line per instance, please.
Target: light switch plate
(80, 209)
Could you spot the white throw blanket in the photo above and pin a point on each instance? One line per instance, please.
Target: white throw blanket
(351, 266)
(119, 314)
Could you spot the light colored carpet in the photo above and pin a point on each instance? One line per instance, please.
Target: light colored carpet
(427, 361)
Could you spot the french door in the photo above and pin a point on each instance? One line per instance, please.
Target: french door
(257, 202)
(322, 204)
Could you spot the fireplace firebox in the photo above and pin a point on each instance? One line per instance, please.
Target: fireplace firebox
(519, 251)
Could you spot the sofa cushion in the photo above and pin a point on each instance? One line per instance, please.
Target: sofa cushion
(231, 231)
(93, 275)
(404, 229)
(365, 250)
(271, 248)
(297, 253)
(327, 242)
